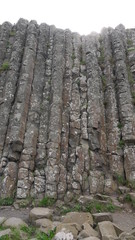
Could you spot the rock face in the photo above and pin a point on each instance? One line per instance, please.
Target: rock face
(67, 110)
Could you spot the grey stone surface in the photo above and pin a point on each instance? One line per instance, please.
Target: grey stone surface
(107, 229)
(63, 236)
(78, 217)
(87, 231)
(100, 217)
(45, 224)
(5, 232)
(67, 117)
(73, 228)
(126, 236)
(39, 213)
(14, 222)
(91, 238)
(2, 220)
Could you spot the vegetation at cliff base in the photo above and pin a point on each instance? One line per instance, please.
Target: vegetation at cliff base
(5, 66)
(6, 201)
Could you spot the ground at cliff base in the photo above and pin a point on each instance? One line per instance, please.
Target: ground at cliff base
(124, 219)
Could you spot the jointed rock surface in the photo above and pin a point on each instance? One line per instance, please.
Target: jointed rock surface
(67, 111)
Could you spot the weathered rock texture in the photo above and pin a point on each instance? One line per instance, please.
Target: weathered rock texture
(67, 110)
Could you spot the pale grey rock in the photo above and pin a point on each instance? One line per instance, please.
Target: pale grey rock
(63, 236)
(14, 222)
(117, 229)
(103, 197)
(78, 217)
(100, 217)
(107, 229)
(87, 231)
(73, 228)
(91, 238)
(40, 212)
(132, 195)
(126, 236)
(44, 224)
(85, 199)
(2, 220)
(124, 189)
(5, 232)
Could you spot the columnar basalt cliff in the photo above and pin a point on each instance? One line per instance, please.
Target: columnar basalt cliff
(67, 110)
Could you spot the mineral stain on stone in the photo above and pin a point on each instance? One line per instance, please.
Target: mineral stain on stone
(66, 104)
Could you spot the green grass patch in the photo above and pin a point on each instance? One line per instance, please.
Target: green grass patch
(46, 201)
(65, 209)
(5, 66)
(6, 237)
(6, 201)
(129, 42)
(15, 234)
(83, 62)
(131, 49)
(96, 206)
(2, 228)
(120, 179)
(44, 236)
(127, 198)
(92, 207)
(121, 143)
(120, 125)
(30, 231)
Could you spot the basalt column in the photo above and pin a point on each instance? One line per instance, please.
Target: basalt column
(67, 111)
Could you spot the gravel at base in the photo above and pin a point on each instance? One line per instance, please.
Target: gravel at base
(11, 212)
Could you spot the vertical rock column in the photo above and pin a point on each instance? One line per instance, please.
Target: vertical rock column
(129, 151)
(17, 123)
(96, 116)
(4, 38)
(73, 177)
(113, 126)
(44, 108)
(67, 85)
(124, 100)
(54, 137)
(122, 85)
(83, 149)
(9, 79)
(8, 94)
(27, 160)
(6, 41)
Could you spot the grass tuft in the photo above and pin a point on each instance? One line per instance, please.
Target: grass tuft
(6, 201)
(96, 206)
(5, 66)
(46, 201)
